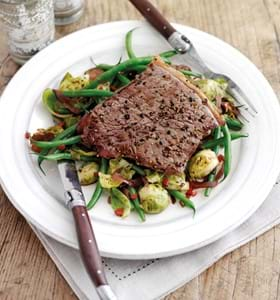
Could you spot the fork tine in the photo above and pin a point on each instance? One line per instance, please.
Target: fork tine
(241, 98)
(242, 117)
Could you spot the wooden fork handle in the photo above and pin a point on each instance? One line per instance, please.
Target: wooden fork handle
(153, 16)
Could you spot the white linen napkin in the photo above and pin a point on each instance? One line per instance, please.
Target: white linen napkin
(153, 279)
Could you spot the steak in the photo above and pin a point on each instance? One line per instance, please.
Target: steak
(158, 120)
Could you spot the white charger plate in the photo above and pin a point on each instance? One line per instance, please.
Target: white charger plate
(39, 198)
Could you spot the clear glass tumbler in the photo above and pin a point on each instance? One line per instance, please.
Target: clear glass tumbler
(68, 11)
(29, 26)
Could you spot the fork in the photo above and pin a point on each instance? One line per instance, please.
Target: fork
(190, 55)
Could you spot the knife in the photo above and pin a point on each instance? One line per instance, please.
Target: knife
(177, 40)
(88, 247)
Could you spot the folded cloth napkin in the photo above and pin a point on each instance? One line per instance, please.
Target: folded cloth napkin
(155, 278)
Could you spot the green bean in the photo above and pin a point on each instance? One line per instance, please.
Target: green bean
(123, 66)
(212, 143)
(191, 73)
(65, 133)
(66, 155)
(181, 197)
(98, 188)
(227, 150)
(51, 144)
(167, 54)
(136, 204)
(233, 124)
(123, 79)
(137, 68)
(138, 170)
(128, 44)
(211, 177)
(105, 67)
(87, 93)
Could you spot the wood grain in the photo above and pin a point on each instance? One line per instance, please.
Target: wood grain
(250, 272)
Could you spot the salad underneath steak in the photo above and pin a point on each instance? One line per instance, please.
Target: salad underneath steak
(146, 131)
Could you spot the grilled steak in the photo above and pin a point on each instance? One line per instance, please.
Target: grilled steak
(158, 120)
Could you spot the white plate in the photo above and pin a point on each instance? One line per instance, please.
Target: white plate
(256, 159)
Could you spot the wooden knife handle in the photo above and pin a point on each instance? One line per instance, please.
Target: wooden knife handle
(88, 247)
(153, 16)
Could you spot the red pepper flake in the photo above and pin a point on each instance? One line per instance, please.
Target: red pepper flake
(191, 193)
(119, 212)
(133, 196)
(165, 181)
(27, 135)
(35, 148)
(61, 147)
(221, 158)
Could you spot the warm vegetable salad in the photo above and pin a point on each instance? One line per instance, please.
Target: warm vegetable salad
(132, 187)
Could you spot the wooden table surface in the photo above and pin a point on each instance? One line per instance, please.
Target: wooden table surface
(250, 272)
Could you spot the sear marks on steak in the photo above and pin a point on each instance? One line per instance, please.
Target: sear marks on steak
(158, 120)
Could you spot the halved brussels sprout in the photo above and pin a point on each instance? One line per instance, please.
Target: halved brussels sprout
(178, 182)
(56, 129)
(70, 83)
(202, 164)
(123, 167)
(50, 102)
(88, 173)
(107, 181)
(213, 88)
(71, 121)
(153, 177)
(120, 201)
(154, 198)
(80, 151)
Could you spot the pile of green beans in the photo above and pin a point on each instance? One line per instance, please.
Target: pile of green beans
(64, 134)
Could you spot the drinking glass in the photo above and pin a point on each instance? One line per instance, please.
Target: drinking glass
(29, 26)
(68, 11)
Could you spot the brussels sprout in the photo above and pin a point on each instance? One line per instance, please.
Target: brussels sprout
(202, 164)
(88, 173)
(50, 102)
(70, 83)
(55, 129)
(178, 182)
(120, 201)
(153, 177)
(71, 121)
(213, 88)
(154, 198)
(80, 151)
(107, 181)
(123, 167)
